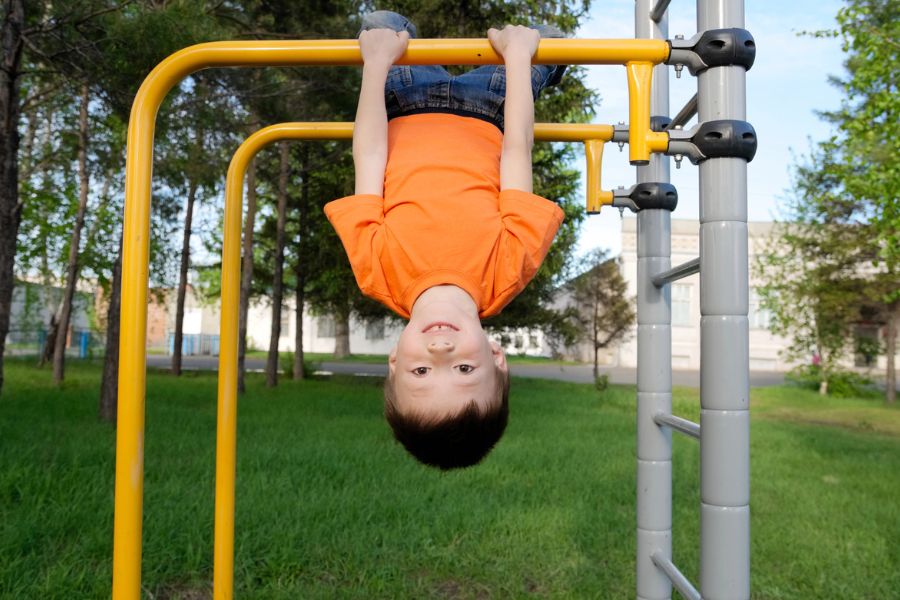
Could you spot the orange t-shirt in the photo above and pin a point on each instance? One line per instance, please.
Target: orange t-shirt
(443, 218)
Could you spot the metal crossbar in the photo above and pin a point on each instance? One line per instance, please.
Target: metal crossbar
(681, 583)
(676, 273)
(659, 10)
(678, 424)
(684, 115)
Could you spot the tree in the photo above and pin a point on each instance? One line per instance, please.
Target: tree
(849, 186)
(72, 271)
(11, 30)
(602, 311)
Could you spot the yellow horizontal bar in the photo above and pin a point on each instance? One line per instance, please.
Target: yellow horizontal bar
(461, 51)
(337, 130)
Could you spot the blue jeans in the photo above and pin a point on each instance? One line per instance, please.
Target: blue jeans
(480, 93)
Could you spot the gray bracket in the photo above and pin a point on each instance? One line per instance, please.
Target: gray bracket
(713, 48)
(713, 139)
(646, 195)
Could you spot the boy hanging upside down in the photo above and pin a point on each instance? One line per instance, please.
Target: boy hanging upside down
(443, 227)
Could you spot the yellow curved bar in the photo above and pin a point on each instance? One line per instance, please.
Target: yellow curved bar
(136, 229)
(639, 79)
(596, 197)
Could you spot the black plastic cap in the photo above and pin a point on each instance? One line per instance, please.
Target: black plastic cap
(726, 47)
(654, 195)
(726, 139)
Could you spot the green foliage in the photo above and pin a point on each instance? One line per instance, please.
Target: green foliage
(286, 365)
(841, 383)
(601, 383)
(834, 263)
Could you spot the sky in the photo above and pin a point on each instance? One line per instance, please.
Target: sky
(787, 84)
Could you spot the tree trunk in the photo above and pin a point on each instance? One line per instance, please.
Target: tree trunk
(109, 385)
(300, 272)
(890, 342)
(182, 278)
(50, 299)
(50, 341)
(596, 342)
(246, 272)
(278, 270)
(10, 208)
(65, 309)
(298, 331)
(342, 335)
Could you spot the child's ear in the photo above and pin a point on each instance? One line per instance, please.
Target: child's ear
(392, 361)
(499, 356)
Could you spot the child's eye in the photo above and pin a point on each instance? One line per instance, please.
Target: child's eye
(465, 368)
(420, 371)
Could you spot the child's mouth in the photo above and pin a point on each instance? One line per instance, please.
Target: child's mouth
(439, 326)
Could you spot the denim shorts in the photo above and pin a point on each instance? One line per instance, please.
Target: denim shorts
(479, 93)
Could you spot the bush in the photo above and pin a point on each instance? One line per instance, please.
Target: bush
(601, 382)
(841, 384)
(286, 364)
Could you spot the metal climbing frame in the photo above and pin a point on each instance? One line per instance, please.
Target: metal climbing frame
(721, 144)
(723, 532)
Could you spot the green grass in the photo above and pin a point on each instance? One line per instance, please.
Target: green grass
(329, 507)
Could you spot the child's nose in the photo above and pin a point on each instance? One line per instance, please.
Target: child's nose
(440, 346)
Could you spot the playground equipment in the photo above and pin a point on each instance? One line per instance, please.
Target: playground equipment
(721, 145)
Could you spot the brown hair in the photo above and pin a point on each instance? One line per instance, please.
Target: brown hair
(455, 441)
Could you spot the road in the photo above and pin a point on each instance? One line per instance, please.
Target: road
(574, 373)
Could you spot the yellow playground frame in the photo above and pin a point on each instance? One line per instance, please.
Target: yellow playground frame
(638, 56)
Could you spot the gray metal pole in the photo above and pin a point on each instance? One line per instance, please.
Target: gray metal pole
(724, 349)
(654, 376)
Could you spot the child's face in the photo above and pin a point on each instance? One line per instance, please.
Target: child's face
(443, 361)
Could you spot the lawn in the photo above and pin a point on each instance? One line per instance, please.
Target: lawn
(329, 507)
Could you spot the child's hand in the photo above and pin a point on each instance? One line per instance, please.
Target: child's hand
(382, 45)
(514, 40)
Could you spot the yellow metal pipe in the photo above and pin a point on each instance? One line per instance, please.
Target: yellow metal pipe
(136, 229)
(639, 80)
(595, 196)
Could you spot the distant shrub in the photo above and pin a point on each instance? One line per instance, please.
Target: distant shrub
(601, 383)
(286, 364)
(841, 384)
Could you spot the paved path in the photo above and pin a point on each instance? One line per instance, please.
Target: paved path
(574, 373)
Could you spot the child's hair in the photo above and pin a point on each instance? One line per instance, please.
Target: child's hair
(455, 441)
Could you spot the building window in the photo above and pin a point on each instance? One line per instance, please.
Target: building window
(758, 316)
(375, 330)
(681, 304)
(285, 321)
(325, 327)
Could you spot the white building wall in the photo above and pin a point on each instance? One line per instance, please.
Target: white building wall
(764, 346)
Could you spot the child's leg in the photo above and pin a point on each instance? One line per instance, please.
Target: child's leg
(493, 77)
(402, 75)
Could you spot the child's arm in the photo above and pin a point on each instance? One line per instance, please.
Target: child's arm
(380, 48)
(517, 45)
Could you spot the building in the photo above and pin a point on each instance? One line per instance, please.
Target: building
(765, 347)
(33, 306)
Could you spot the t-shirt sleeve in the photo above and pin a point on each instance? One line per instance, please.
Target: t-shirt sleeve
(358, 221)
(530, 222)
(529, 226)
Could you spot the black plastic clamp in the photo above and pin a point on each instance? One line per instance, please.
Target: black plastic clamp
(646, 195)
(714, 48)
(713, 139)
